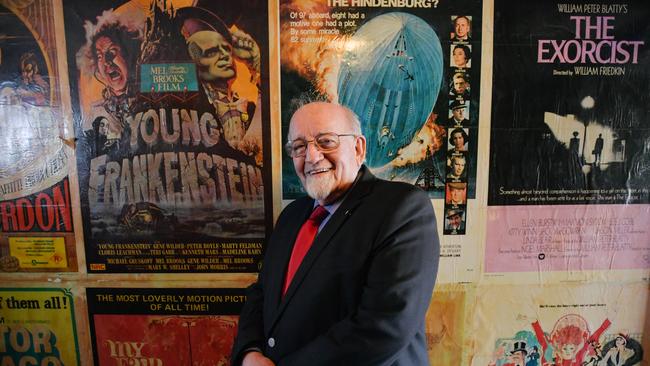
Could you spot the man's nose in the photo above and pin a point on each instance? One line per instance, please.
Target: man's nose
(223, 51)
(109, 57)
(312, 154)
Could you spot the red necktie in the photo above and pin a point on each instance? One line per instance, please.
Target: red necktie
(305, 237)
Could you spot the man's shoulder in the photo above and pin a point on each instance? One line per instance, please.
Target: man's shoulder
(297, 205)
(391, 189)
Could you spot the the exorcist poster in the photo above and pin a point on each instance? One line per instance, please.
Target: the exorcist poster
(570, 136)
(180, 326)
(571, 95)
(409, 69)
(170, 100)
(36, 229)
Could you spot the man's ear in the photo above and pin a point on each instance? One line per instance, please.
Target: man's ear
(360, 149)
(194, 51)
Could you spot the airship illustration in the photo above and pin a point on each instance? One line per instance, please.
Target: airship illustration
(390, 76)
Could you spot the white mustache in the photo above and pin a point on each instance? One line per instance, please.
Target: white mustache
(316, 171)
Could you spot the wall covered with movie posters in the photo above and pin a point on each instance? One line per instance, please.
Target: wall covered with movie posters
(142, 167)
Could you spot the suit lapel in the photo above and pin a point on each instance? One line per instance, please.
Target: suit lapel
(276, 281)
(359, 191)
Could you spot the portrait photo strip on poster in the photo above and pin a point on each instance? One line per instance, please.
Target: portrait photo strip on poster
(171, 114)
(36, 225)
(569, 187)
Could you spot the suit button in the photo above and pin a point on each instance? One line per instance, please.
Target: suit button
(271, 342)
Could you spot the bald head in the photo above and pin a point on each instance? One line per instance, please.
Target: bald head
(326, 174)
(346, 118)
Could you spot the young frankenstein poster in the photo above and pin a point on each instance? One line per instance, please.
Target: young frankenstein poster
(571, 97)
(410, 71)
(36, 228)
(171, 114)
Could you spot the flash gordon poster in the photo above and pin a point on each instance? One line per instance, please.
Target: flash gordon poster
(570, 109)
(170, 102)
(36, 225)
(395, 65)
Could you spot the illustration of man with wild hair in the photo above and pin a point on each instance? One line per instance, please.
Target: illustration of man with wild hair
(110, 55)
(114, 50)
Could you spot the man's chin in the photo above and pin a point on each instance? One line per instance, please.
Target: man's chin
(318, 188)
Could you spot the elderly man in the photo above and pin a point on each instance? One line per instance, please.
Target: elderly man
(462, 29)
(457, 118)
(356, 295)
(454, 223)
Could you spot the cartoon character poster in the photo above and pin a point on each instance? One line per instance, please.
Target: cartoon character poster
(568, 186)
(36, 226)
(171, 113)
(582, 324)
(163, 326)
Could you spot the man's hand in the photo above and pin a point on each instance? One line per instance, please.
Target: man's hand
(255, 358)
(246, 49)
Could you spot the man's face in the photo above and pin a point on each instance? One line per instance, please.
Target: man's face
(326, 176)
(458, 113)
(213, 54)
(455, 221)
(112, 69)
(458, 140)
(459, 167)
(459, 85)
(459, 57)
(461, 27)
(519, 358)
(457, 196)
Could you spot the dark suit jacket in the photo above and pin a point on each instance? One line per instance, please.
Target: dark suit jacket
(362, 291)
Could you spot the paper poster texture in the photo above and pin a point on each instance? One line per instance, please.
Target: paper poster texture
(581, 324)
(568, 237)
(37, 327)
(171, 112)
(572, 160)
(163, 326)
(35, 202)
(445, 325)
